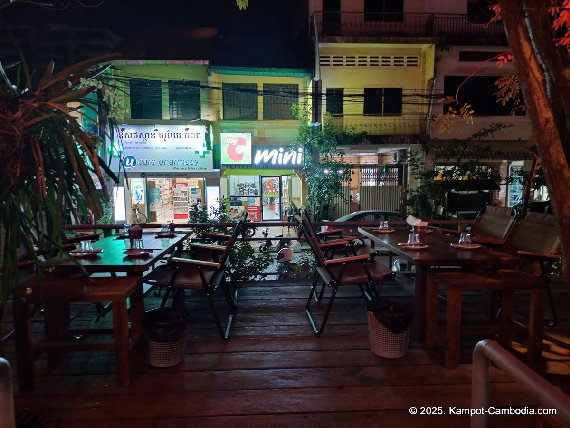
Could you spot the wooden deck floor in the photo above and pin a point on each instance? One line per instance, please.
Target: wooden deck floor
(275, 372)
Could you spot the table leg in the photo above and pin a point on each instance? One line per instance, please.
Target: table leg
(23, 338)
(535, 326)
(420, 301)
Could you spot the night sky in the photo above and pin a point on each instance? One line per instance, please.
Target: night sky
(127, 16)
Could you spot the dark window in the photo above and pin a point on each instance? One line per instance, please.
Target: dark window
(392, 101)
(331, 11)
(239, 100)
(479, 91)
(477, 56)
(278, 99)
(382, 101)
(146, 99)
(384, 10)
(184, 98)
(334, 100)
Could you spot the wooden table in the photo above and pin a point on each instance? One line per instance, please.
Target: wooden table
(111, 260)
(439, 254)
(113, 257)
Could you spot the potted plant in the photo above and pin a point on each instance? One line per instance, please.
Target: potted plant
(49, 163)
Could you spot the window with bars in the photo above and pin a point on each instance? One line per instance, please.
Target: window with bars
(146, 99)
(184, 99)
(334, 101)
(384, 10)
(382, 101)
(239, 100)
(278, 99)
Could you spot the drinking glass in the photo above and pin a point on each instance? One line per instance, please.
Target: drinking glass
(165, 228)
(412, 239)
(467, 239)
(138, 244)
(86, 245)
(126, 228)
(385, 225)
(462, 238)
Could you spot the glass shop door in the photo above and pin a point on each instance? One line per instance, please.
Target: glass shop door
(271, 198)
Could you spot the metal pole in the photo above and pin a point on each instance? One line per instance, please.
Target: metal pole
(547, 394)
(7, 416)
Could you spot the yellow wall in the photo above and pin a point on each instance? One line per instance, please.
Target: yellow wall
(263, 131)
(165, 71)
(415, 82)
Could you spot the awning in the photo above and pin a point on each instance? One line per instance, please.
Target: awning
(481, 150)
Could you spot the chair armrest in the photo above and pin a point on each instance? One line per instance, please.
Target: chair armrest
(212, 235)
(361, 257)
(335, 243)
(205, 246)
(488, 241)
(196, 262)
(326, 233)
(545, 256)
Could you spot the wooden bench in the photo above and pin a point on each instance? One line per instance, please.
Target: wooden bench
(505, 281)
(55, 294)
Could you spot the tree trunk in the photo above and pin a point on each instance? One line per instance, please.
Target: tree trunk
(543, 104)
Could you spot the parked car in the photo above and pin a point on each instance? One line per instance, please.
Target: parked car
(536, 206)
(368, 215)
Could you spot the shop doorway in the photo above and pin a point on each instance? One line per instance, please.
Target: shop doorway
(270, 198)
(171, 199)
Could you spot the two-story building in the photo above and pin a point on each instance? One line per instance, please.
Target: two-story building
(384, 67)
(215, 128)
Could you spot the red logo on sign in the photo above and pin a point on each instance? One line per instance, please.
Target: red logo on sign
(234, 152)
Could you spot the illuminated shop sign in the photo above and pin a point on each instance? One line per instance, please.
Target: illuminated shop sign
(163, 148)
(235, 148)
(278, 156)
(264, 156)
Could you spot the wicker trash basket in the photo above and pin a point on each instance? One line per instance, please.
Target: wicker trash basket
(383, 342)
(166, 333)
(166, 354)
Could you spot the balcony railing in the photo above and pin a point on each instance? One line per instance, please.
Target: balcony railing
(406, 124)
(407, 24)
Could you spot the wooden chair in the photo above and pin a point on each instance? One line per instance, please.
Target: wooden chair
(332, 242)
(56, 294)
(207, 274)
(491, 227)
(535, 240)
(334, 273)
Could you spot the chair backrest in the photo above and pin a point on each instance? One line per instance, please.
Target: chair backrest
(234, 236)
(304, 213)
(536, 232)
(494, 223)
(311, 236)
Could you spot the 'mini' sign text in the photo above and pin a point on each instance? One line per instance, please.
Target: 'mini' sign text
(278, 157)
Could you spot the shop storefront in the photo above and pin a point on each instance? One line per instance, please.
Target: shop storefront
(260, 179)
(168, 169)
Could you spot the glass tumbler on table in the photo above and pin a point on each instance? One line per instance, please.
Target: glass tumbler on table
(85, 245)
